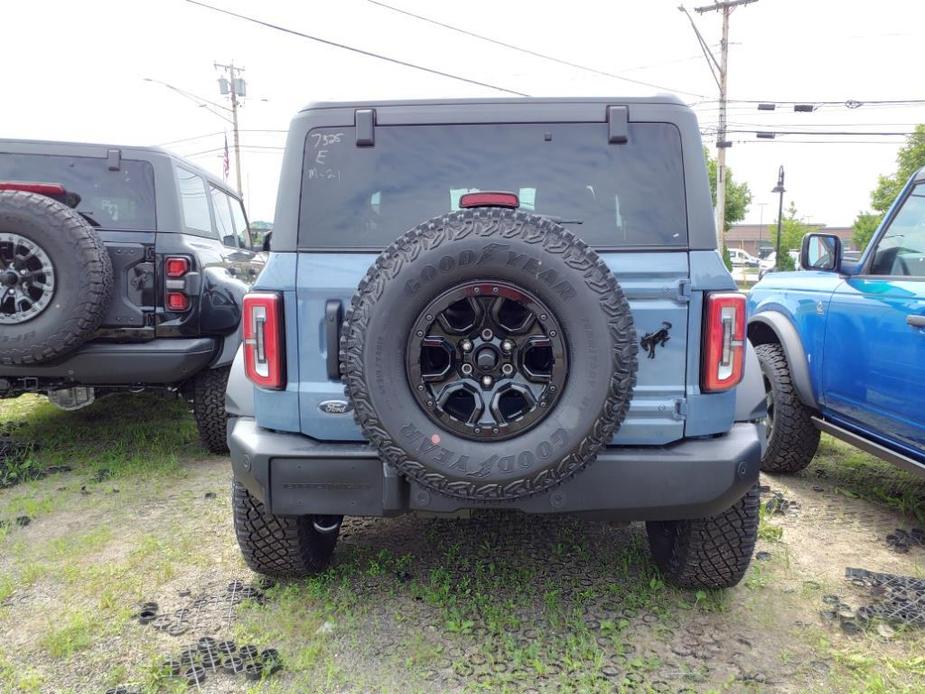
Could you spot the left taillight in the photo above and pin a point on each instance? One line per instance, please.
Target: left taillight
(264, 357)
(723, 342)
(176, 296)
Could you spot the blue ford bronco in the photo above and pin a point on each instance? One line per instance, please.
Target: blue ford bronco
(842, 346)
(496, 304)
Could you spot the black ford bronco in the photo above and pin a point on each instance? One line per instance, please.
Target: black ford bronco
(506, 304)
(120, 268)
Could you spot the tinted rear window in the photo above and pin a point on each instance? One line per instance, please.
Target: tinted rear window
(623, 194)
(122, 199)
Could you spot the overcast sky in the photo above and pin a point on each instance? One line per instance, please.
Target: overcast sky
(75, 71)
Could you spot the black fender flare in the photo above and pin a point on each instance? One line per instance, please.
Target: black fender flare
(239, 394)
(229, 347)
(773, 326)
(751, 403)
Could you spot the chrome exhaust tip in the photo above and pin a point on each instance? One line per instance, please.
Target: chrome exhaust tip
(327, 524)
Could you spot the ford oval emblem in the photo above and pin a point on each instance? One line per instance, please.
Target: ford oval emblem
(335, 406)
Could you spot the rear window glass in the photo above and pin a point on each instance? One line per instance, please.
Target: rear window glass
(122, 199)
(611, 195)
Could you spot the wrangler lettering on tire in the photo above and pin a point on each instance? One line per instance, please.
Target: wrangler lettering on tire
(489, 354)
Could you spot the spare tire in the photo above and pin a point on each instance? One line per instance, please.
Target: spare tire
(489, 354)
(55, 278)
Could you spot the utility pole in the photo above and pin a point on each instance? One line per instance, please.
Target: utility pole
(719, 68)
(233, 87)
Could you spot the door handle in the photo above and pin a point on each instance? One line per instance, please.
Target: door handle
(916, 321)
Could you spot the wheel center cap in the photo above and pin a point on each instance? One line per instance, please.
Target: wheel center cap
(9, 278)
(486, 359)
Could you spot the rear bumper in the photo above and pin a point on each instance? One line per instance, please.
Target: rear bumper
(295, 475)
(164, 361)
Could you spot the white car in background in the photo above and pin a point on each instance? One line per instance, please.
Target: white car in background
(739, 256)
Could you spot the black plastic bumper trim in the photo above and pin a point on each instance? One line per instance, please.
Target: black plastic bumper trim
(295, 475)
(163, 361)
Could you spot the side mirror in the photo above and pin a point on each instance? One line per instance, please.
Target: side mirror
(821, 252)
(265, 246)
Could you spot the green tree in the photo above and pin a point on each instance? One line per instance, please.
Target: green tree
(865, 224)
(793, 229)
(738, 195)
(909, 159)
(738, 198)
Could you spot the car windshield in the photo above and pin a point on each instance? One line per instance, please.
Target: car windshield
(122, 199)
(611, 195)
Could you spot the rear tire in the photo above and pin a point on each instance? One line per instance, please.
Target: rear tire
(704, 553)
(792, 436)
(279, 546)
(209, 408)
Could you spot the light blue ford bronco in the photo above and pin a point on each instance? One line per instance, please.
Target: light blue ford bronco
(497, 304)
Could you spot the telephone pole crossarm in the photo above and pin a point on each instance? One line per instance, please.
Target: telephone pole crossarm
(234, 90)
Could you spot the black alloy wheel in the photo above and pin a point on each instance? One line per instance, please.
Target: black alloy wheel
(487, 360)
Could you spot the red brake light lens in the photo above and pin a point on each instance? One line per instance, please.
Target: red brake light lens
(177, 301)
(176, 267)
(508, 200)
(723, 342)
(263, 339)
(49, 189)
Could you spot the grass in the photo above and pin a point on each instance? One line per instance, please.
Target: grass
(118, 436)
(500, 605)
(858, 475)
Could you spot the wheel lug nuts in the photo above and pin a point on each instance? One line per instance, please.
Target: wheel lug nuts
(487, 334)
(466, 346)
(486, 381)
(466, 369)
(507, 345)
(507, 369)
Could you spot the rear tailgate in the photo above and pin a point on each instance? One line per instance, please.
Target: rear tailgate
(656, 287)
(618, 184)
(117, 197)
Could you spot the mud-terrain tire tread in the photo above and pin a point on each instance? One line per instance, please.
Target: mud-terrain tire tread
(209, 408)
(488, 223)
(90, 254)
(794, 438)
(278, 546)
(707, 553)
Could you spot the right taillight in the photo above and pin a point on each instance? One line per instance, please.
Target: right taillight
(723, 342)
(263, 339)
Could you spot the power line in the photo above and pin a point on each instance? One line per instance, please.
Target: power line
(370, 54)
(222, 149)
(527, 51)
(836, 133)
(849, 103)
(765, 126)
(220, 132)
(816, 142)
